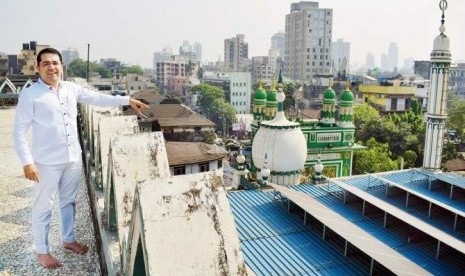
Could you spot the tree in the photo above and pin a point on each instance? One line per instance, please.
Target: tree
(377, 158)
(134, 69)
(212, 102)
(456, 119)
(409, 158)
(364, 114)
(78, 68)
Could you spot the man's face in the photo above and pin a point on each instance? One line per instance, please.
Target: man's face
(50, 68)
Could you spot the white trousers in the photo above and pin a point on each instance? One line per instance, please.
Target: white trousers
(61, 179)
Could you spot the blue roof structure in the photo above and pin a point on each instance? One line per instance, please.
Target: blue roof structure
(276, 243)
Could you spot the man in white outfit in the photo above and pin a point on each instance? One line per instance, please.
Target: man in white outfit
(53, 161)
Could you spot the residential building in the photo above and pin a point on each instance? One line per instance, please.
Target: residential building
(308, 37)
(340, 56)
(69, 55)
(171, 75)
(241, 91)
(27, 57)
(422, 68)
(112, 64)
(261, 68)
(237, 88)
(236, 53)
(389, 96)
(194, 157)
(457, 79)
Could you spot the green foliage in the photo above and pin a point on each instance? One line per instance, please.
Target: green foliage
(409, 159)
(288, 90)
(402, 132)
(377, 158)
(200, 73)
(456, 119)
(213, 104)
(449, 152)
(134, 69)
(78, 68)
(364, 114)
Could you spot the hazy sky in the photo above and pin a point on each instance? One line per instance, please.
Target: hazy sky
(131, 31)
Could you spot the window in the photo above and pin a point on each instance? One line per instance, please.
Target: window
(179, 170)
(204, 167)
(220, 163)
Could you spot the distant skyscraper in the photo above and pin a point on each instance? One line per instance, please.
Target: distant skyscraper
(307, 47)
(408, 65)
(277, 43)
(164, 55)
(236, 53)
(340, 55)
(393, 57)
(384, 62)
(198, 51)
(370, 61)
(69, 55)
(191, 52)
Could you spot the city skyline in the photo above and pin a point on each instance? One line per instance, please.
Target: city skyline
(132, 32)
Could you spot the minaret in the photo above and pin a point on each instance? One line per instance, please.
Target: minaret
(259, 102)
(346, 109)
(328, 113)
(271, 102)
(436, 116)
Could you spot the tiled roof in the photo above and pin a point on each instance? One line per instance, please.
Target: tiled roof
(151, 97)
(180, 153)
(173, 115)
(455, 165)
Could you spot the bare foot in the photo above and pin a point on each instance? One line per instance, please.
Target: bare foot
(47, 261)
(76, 247)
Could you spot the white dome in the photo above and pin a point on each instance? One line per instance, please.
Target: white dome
(286, 149)
(441, 49)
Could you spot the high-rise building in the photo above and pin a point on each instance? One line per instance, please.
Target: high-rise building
(236, 53)
(69, 55)
(277, 43)
(393, 57)
(307, 44)
(370, 61)
(261, 68)
(384, 62)
(197, 48)
(163, 55)
(340, 55)
(191, 52)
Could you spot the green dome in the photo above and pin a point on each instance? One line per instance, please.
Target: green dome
(330, 96)
(271, 96)
(259, 93)
(347, 98)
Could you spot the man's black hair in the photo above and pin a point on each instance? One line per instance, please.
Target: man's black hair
(48, 51)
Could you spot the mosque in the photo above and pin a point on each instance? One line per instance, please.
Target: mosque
(329, 141)
(404, 222)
